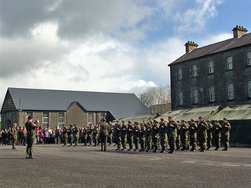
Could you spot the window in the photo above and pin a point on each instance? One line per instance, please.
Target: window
(211, 94)
(90, 117)
(249, 59)
(249, 88)
(230, 63)
(211, 67)
(195, 96)
(194, 71)
(45, 120)
(61, 119)
(180, 74)
(230, 92)
(180, 98)
(103, 115)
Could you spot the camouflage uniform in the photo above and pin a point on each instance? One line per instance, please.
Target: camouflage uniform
(177, 140)
(193, 135)
(104, 132)
(123, 135)
(130, 135)
(84, 136)
(202, 135)
(109, 138)
(226, 127)
(89, 135)
(95, 135)
(76, 135)
(172, 134)
(209, 134)
(30, 127)
(155, 136)
(163, 135)
(142, 137)
(184, 134)
(148, 136)
(217, 134)
(118, 129)
(13, 136)
(57, 135)
(136, 132)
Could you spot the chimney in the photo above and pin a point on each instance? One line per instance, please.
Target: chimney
(190, 45)
(238, 31)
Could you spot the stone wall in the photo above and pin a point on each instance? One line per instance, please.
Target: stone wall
(239, 76)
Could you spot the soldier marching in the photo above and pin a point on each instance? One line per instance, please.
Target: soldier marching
(147, 136)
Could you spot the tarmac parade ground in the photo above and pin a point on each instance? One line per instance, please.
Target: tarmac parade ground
(84, 166)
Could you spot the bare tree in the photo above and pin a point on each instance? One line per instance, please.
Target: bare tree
(157, 99)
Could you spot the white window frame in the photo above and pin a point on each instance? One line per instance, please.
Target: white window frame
(90, 118)
(45, 119)
(211, 94)
(180, 98)
(249, 88)
(194, 71)
(180, 74)
(249, 58)
(230, 63)
(211, 67)
(230, 91)
(195, 96)
(61, 119)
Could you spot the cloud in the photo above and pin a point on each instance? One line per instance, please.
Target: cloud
(75, 19)
(25, 54)
(214, 38)
(194, 19)
(91, 45)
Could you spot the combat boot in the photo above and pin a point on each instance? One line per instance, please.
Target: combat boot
(171, 151)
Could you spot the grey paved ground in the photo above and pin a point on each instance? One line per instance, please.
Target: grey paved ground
(57, 166)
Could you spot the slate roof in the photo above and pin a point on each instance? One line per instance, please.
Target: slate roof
(215, 48)
(120, 105)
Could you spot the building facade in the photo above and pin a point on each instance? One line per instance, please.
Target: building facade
(56, 108)
(215, 75)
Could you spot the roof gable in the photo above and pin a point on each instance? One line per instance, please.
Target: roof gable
(120, 105)
(215, 48)
(8, 104)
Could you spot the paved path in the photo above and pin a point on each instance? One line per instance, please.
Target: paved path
(57, 166)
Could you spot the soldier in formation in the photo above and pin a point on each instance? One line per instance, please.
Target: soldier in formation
(193, 134)
(75, 134)
(163, 134)
(130, 135)
(152, 136)
(217, 134)
(147, 136)
(123, 135)
(226, 127)
(184, 135)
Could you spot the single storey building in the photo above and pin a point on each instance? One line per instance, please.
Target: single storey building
(59, 107)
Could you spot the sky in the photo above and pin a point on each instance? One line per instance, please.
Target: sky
(106, 45)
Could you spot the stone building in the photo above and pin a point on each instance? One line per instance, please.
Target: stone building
(215, 75)
(58, 108)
